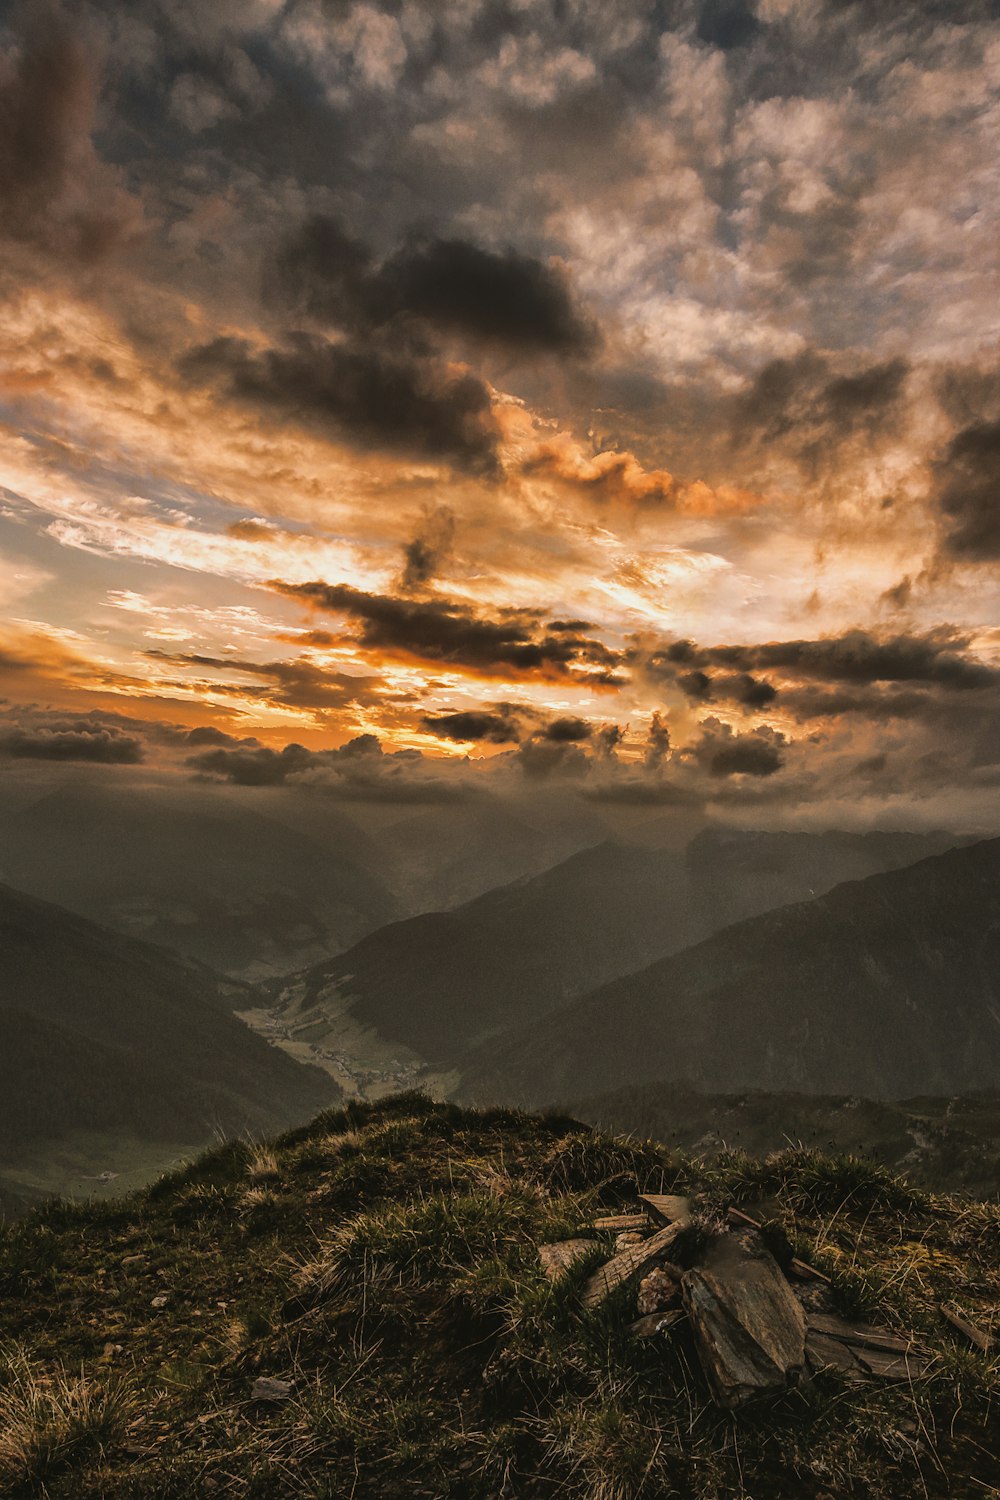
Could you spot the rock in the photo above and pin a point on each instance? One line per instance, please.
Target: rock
(666, 1208)
(557, 1258)
(265, 1388)
(878, 1351)
(628, 1264)
(653, 1323)
(749, 1328)
(659, 1290)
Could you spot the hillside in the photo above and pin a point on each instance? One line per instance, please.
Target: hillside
(197, 872)
(940, 1143)
(885, 987)
(440, 983)
(361, 1308)
(104, 1035)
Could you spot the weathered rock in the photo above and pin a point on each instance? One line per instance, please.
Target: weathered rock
(666, 1208)
(653, 1323)
(265, 1388)
(557, 1258)
(825, 1353)
(749, 1327)
(628, 1264)
(879, 1351)
(659, 1290)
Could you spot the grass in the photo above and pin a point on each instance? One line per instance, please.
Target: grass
(384, 1261)
(51, 1420)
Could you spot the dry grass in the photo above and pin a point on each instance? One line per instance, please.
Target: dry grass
(53, 1420)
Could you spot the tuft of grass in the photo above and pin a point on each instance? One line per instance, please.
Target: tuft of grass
(814, 1183)
(262, 1164)
(50, 1422)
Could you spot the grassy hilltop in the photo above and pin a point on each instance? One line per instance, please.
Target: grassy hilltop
(382, 1262)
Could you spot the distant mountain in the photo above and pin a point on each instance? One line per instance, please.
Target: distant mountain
(947, 1143)
(194, 871)
(105, 1034)
(445, 981)
(888, 987)
(440, 859)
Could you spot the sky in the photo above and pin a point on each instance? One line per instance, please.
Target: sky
(402, 400)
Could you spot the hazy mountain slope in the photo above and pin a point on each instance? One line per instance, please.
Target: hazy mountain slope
(888, 986)
(196, 872)
(441, 982)
(938, 1142)
(101, 1032)
(440, 859)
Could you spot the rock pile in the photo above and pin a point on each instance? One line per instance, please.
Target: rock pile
(757, 1328)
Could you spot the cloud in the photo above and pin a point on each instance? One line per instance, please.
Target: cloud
(71, 739)
(501, 728)
(501, 297)
(724, 752)
(657, 743)
(967, 491)
(299, 683)
(441, 630)
(362, 395)
(428, 549)
(55, 192)
(358, 771)
(941, 656)
(727, 24)
(811, 411)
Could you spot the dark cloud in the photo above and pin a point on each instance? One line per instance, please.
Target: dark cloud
(207, 734)
(357, 771)
(727, 24)
(808, 409)
(428, 549)
(297, 684)
(657, 743)
(441, 630)
(72, 739)
(941, 657)
(967, 490)
(506, 297)
(55, 193)
(540, 757)
(501, 297)
(492, 728)
(567, 731)
(250, 766)
(723, 752)
(365, 396)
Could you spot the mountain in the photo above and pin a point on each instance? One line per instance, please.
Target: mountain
(440, 983)
(940, 1143)
(195, 871)
(888, 987)
(365, 1296)
(444, 858)
(103, 1035)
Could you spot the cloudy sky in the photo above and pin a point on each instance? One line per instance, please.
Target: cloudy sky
(401, 394)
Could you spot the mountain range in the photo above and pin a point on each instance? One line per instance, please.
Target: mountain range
(113, 1040)
(200, 873)
(886, 987)
(443, 982)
